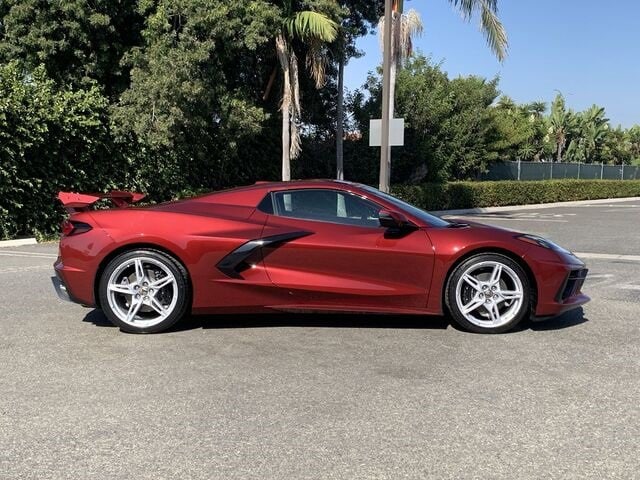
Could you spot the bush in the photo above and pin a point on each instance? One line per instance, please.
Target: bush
(51, 140)
(458, 195)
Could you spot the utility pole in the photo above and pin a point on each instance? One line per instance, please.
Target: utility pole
(340, 115)
(385, 150)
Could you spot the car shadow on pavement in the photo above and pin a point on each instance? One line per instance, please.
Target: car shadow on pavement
(320, 320)
(566, 320)
(337, 320)
(98, 318)
(277, 319)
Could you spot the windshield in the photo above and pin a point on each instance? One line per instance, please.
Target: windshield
(408, 208)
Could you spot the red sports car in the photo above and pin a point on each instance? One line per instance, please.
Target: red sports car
(304, 246)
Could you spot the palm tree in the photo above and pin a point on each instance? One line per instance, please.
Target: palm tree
(404, 27)
(592, 128)
(536, 109)
(505, 102)
(410, 25)
(561, 124)
(315, 30)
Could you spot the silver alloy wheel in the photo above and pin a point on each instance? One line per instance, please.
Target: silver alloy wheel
(142, 292)
(489, 294)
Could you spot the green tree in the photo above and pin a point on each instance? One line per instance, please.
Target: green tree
(617, 147)
(633, 136)
(193, 107)
(78, 42)
(490, 25)
(51, 140)
(561, 123)
(520, 129)
(590, 131)
(516, 130)
(449, 125)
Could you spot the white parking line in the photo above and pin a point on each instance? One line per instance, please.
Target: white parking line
(26, 269)
(608, 256)
(608, 205)
(527, 219)
(11, 253)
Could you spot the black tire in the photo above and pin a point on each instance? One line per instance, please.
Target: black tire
(149, 259)
(460, 293)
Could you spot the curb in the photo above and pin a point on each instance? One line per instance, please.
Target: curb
(536, 206)
(18, 243)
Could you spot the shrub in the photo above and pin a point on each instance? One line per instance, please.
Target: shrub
(459, 195)
(50, 140)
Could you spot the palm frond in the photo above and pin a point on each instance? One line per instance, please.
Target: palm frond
(410, 27)
(493, 31)
(490, 24)
(296, 143)
(317, 60)
(312, 25)
(405, 27)
(295, 85)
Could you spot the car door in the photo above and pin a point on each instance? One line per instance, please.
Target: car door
(339, 255)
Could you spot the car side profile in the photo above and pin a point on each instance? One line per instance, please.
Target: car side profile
(304, 246)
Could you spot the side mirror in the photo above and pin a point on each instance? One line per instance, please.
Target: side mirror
(390, 219)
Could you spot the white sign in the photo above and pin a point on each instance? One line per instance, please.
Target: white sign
(396, 132)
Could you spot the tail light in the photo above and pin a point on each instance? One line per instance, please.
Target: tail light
(70, 227)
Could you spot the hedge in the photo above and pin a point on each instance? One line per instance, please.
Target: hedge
(435, 196)
(458, 195)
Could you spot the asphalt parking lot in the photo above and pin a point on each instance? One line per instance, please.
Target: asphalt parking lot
(329, 396)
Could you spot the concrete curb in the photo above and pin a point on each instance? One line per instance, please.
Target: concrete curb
(536, 206)
(18, 243)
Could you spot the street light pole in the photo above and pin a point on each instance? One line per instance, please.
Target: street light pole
(385, 150)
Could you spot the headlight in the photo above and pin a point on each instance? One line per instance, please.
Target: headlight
(542, 242)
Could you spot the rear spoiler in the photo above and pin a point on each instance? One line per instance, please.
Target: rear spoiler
(77, 202)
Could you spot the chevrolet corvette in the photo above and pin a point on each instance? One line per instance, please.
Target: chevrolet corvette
(304, 246)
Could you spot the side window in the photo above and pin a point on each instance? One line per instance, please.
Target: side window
(266, 205)
(327, 206)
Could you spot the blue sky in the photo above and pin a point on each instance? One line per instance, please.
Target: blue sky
(587, 49)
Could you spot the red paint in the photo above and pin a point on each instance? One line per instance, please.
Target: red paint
(335, 268)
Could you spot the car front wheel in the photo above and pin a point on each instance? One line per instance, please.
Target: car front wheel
(488, 293)
(144, 291)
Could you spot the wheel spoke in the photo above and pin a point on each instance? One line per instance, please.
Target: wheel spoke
(162, 282)
(510, 294)
(472, 281)
(158, 307)
(133, 309)
(139, 270)
(496, 274)
(475, 303)
(120, 288)
(494, 313)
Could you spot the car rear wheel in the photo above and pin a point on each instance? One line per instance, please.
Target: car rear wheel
(144, 291)
(488, 293)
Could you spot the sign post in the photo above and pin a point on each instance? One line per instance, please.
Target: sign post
(385, 150)
(396, 132)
